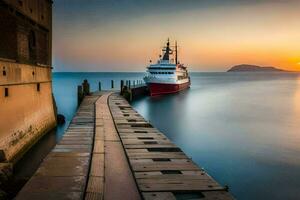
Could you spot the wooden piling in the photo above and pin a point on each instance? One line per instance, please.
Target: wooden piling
(121, 86)
(79, 95)
(99, 86)
(112, 83)
(86, 87)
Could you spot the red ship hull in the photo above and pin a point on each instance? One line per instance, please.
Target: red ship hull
(162, 88)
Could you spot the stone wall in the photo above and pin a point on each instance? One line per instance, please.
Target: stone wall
(27, 36)
(26, 103)
(26, 106)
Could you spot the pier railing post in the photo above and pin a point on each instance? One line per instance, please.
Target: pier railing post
(112, 83)
(121, 86)
(129, 82)
(99, 85)
(79, 95)
(86, 87)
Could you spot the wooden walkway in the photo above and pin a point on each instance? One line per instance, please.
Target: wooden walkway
(116, 180)
(161, 169)
(110, 152)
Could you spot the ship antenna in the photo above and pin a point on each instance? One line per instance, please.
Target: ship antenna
(176, 61)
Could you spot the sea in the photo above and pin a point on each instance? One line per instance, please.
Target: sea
(242, 128)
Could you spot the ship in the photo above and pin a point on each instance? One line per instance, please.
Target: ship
(27, 106)
(167, 75)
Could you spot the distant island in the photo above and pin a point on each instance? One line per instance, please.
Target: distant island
(254, 68)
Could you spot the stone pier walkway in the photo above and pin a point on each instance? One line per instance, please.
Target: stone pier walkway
(111, 152)
(64, 172)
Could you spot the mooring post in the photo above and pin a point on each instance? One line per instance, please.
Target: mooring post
(129, 82)
(112, 83)
(133, 84)
(121, 87)
(130, 96)
(79, 95)
(99, 85)
(86, 87)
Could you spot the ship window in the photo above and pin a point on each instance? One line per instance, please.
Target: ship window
(6, 92)
(32, 73)
(4, 73)
(38, 87)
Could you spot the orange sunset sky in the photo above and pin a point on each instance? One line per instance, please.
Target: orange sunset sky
(212, 35)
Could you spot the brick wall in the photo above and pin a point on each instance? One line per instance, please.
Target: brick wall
(25, 33)
(8, 34)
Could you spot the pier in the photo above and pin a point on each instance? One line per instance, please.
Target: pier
(109, 151)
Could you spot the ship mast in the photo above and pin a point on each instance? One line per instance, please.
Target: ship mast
(176, 60)
(167, 51)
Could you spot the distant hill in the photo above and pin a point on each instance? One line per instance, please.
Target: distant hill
(254, 68)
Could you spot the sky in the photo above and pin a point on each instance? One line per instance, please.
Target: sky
(213, 35)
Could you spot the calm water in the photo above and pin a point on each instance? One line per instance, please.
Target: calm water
(243, 128)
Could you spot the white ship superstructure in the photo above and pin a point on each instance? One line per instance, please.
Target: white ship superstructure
(167, 75)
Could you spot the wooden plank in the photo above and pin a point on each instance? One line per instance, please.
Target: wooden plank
(209, 195)
(179, 185)
(143, 154)
(158, 166)
(158, 196)
(143, 146)
(97, 165)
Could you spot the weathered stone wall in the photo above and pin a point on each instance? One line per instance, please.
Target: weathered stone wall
(26, 103)
(27, 36)
(38, 11)
(26, 113)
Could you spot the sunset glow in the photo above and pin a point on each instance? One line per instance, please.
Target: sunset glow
(122, 36)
